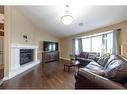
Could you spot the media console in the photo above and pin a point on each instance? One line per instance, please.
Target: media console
(50, 56)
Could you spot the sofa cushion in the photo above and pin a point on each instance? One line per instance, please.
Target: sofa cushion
(92, 56)
(117, 70)
(84, 59)
(86, 80)
(83, 54)
(102, 61)
(112, 57)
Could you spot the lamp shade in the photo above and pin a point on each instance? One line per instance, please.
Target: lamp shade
(67, 19)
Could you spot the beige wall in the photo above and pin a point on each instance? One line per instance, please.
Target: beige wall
(17, 25)
(66, 47)
(43, 36)
(66, 43)
(20, 26)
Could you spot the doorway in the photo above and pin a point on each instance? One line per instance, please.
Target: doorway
(1, 43)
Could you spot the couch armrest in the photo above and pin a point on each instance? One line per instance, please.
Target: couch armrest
(76, 56)
(96, 81)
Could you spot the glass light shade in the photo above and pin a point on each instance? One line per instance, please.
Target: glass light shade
(67, 19)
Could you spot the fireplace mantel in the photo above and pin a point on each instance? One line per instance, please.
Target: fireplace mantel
(23, 46)
(14, 67)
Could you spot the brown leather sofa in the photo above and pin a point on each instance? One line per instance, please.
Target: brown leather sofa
(86, 57)
(111, 75)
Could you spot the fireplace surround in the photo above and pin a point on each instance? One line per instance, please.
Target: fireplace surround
(26, 53)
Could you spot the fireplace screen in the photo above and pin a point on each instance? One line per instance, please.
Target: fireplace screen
(26, 55)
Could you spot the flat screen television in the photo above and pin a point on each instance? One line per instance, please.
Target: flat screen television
(50, 46)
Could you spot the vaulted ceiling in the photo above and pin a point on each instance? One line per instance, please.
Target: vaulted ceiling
(86, 18)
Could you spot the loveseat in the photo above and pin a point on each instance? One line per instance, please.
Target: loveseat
(86, 57)
(107, 74)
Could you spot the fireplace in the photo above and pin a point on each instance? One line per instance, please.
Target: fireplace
(23, 57)
(26, 56)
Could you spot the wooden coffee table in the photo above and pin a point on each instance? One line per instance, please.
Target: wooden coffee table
(70, 64)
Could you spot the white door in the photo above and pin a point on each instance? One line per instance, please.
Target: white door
(1, 50)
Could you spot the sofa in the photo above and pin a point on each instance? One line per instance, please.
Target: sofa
(110, 73)
(86, 57)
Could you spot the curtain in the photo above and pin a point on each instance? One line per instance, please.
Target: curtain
(76, 46)
(104, 44)
(73, 46)
(116, 42)
(80, 45)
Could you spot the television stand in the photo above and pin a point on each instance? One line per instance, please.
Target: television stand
(50, 56)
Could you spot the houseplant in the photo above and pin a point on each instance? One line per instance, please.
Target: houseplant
(106, 55)
(72, 57)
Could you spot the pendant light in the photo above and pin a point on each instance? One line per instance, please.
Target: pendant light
(67, 19)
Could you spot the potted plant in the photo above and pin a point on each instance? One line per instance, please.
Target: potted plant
(106, 55)
(72, 57)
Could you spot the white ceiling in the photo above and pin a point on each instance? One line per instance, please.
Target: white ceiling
(48, 18)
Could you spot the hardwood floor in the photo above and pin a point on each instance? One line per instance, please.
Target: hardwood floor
(43, 76)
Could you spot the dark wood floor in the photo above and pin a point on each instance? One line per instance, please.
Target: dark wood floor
(43, 76)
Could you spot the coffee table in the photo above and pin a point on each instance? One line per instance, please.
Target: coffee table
(70, 64)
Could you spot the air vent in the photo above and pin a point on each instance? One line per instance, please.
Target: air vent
(81, 24)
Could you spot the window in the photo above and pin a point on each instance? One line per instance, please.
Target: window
(92, 44)
(86, 44)
(109, 42)
(100, 43)
(96, 44)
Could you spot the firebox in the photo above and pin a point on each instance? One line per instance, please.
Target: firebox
(26, 55)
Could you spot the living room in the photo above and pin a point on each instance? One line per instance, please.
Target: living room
(28, 27)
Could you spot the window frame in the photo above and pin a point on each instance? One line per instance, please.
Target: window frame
(95, 35)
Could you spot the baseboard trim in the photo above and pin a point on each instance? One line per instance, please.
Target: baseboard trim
(64, 58)
(1, 81)
(5, 78)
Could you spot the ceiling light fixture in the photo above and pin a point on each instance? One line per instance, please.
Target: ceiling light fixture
(67, 19)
